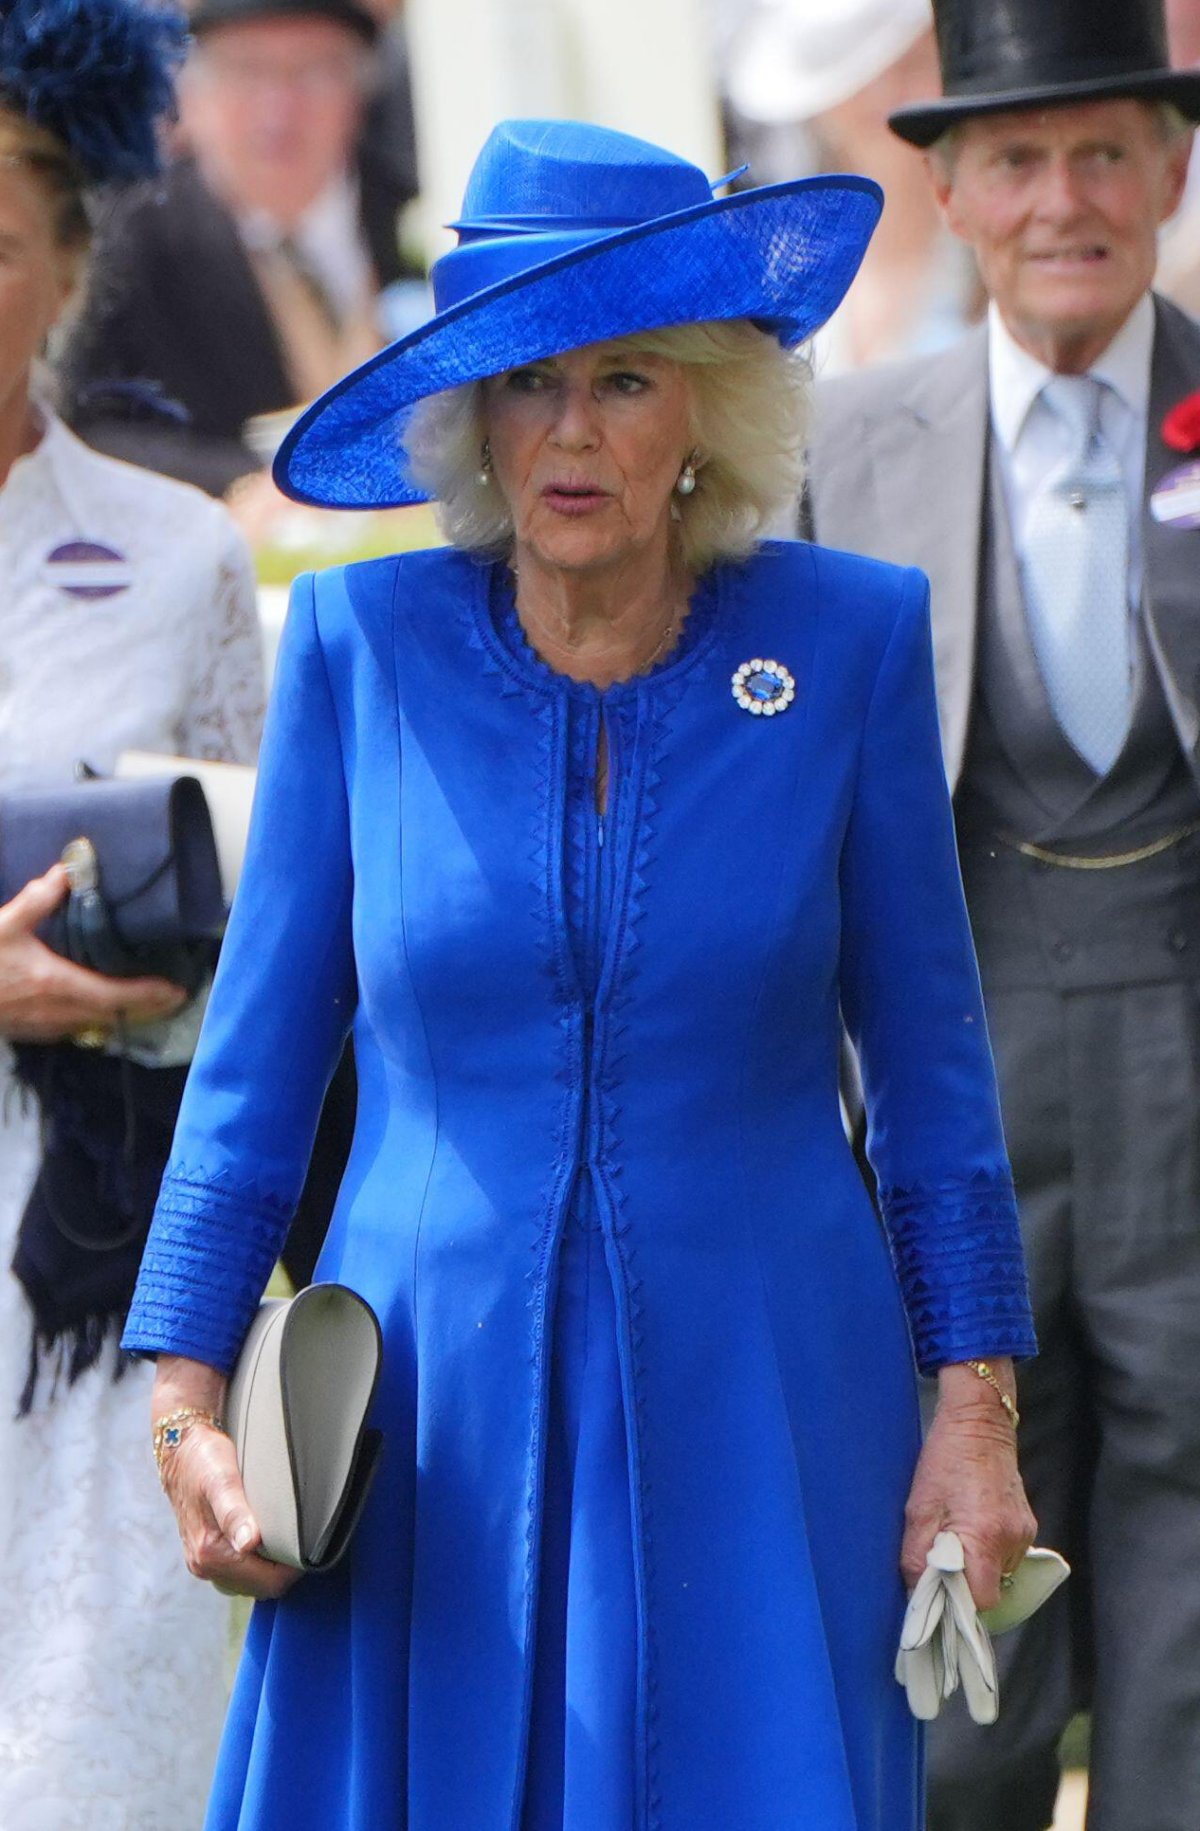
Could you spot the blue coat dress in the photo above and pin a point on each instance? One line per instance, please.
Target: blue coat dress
(649, 1355)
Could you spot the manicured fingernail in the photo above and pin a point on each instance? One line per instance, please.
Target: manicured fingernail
(243, 1538)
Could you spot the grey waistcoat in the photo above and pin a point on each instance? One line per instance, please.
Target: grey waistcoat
(1042, 925)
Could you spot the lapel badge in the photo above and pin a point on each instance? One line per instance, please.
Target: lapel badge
(1176, 501)
(763, 687)
(87, 569)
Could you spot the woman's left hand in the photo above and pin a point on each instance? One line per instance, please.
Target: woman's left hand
(967, 1482)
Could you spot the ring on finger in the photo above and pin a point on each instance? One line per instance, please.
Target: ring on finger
(91, 1036)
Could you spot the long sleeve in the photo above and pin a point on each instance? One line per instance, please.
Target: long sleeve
(278, 1016)
(914, 1010)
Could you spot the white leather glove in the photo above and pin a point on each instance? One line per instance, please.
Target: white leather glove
(944, 1640)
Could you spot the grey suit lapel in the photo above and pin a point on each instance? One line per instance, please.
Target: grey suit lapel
(1172, 555)
(928, 462)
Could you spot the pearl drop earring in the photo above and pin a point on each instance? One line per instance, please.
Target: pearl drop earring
(687, 477)
(485, 464)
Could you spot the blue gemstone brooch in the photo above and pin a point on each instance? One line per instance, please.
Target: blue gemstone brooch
(763, 687)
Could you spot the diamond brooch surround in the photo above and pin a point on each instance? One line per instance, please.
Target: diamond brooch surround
(763, 687)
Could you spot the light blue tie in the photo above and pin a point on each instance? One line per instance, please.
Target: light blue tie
(1076, 577)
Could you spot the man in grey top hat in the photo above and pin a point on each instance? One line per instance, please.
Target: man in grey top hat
(1026, 471)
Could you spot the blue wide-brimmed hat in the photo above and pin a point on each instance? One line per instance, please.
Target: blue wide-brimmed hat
(571, 235)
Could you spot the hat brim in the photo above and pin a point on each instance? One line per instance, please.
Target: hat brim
(209, 14)
(782, 255)
(926, 122)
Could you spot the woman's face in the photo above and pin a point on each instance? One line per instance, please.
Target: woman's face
(36, 277)
(586, 450)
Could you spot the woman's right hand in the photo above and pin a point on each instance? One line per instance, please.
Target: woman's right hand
(43, 997)
(201, 1480)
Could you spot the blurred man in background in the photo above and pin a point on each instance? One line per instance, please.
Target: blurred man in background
(247, 280)
(1026, 470)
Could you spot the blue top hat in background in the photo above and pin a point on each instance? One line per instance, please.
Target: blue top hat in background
(569, 235)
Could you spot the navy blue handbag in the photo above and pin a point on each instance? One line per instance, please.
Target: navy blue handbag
(146, 891)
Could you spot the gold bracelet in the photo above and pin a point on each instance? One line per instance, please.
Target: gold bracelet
(985, 1372)
(169, 1432)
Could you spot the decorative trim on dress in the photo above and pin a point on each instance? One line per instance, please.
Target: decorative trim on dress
(957, 1253)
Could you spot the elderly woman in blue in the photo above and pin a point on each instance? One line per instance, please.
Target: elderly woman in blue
(593, 828)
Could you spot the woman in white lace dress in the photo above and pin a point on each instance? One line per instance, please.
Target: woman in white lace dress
(127, 619)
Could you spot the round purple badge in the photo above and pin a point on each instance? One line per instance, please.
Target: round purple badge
(86, 569)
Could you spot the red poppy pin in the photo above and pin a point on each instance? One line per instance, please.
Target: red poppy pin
(1176, 500)
(1181, 427)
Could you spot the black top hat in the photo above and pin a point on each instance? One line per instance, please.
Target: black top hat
(998, 54)
(206, 13)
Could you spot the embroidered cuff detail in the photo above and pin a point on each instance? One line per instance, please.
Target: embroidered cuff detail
(957, 1250)
(210, 1253)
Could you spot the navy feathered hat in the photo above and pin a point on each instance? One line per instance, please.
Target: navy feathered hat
(97, 74)
(572, 234)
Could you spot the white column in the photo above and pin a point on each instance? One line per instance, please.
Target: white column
(643, 66)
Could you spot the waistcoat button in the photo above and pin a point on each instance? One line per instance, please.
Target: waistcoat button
(1063, 950)
(1177, 940)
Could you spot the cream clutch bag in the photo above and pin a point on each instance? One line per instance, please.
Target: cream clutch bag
(945, 1641)
(228, 789)
(296, 1411)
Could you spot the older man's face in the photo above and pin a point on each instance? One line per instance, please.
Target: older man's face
(1062, 207)
(271, 108)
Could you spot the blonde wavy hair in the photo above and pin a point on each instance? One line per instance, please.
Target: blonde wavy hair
(749, 419)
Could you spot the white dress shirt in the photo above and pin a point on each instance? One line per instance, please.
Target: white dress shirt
(1031, 439)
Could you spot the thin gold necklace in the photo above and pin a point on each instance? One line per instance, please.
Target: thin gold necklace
(643, 667)
(662, 645)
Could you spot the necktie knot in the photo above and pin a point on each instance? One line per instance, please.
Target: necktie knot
(1075, 400)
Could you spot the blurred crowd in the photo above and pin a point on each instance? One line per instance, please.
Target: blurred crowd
(256, 270)
(273, 254)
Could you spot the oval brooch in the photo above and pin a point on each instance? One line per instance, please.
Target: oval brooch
(763, 687)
